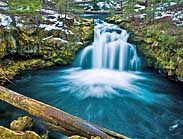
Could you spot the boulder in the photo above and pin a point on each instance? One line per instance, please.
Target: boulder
(21, 124)
(6, 133)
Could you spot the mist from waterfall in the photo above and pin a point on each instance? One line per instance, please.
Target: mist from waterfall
(110, 49)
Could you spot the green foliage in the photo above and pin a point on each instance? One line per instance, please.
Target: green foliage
(166, 39)
(129, 9)
(180, 52)
(23, 6)
(153, 31)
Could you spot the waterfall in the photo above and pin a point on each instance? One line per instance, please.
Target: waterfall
(110, 49)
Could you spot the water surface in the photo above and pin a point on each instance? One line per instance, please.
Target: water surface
(137, 104)
(106, 86)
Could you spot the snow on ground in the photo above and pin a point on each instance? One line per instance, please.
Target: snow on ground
(62, 40)
(104, 5)
(141, 16)
(47, 11)
(5, 20)
(176, 16)
(51, 27)
(58, 39)
(54, 22)
(47, 38)
(139, 7)
(3, 4)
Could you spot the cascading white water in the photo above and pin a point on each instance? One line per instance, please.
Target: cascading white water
(110, 49)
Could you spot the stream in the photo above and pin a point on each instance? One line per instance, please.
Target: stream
(106, 85)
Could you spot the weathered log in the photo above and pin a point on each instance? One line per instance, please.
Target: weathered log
(57, 119)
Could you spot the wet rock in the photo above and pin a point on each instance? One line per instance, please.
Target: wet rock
(21, 124)
(6, 133)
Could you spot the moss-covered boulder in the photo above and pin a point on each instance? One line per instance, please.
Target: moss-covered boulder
(6, 133)
(21, 124)
(32, 47)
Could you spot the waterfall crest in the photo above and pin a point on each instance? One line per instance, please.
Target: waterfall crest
(110, 49)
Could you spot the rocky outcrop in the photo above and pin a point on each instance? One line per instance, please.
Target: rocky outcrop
(159, 44)
(31, 46)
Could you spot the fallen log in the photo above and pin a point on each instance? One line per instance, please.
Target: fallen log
(55, 118)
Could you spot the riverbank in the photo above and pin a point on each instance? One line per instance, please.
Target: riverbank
(159, 44)
(38, 42)
(33, 46)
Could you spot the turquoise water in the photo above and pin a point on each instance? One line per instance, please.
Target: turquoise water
(102, 89)
(141, 105)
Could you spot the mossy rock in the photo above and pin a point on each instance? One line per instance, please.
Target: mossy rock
(3, 48)
(26, 43)
(180, 52)
(179, 70)
(6, 133)
(21, 124)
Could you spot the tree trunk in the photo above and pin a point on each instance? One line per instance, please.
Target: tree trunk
(121, 5)
(55, 118)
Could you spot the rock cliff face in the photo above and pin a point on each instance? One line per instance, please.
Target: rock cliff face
(160, 44)
(45, 43)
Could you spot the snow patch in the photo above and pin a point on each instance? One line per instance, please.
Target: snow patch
(58, 39)
(79, 43)
(5, 20)
(52, 22)
(139, 7)
(142, 16)
(47, 38)
(62, 40)
(176, 16)
(3, 4)
(48, 11)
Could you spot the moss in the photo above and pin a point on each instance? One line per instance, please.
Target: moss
(45, 135)
(180, 52)
(21, 124)
(3, 45)
(6, 133)
(27, 48)
(160, 45)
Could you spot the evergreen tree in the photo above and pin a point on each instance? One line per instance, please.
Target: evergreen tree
(67, 7)
(128, 10)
